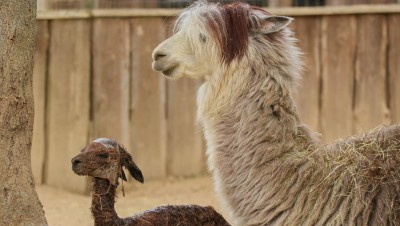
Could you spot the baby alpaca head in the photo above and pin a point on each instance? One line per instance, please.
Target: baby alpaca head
(105, 158)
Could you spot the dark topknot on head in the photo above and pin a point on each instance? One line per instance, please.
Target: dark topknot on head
(228, 24)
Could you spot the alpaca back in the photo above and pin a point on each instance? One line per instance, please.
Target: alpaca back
(183, 215)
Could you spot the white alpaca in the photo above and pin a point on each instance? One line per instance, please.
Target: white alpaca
(268, 168)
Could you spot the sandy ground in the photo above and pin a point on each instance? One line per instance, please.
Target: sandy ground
(64, 208)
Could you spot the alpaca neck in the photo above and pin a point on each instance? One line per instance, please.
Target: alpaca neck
(253, 133)
(103, 199)
(239, 106)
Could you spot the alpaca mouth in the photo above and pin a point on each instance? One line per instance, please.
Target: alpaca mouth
(74, 168)
(78, 171)
(169, 71)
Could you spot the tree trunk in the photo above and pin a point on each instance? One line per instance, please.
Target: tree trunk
(19, 202)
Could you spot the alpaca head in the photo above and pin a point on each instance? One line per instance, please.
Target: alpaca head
(105, 158)
(208, 36)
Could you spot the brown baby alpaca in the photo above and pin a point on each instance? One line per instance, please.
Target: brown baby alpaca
(103, 159)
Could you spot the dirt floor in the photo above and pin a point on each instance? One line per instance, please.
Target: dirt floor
(64, 208)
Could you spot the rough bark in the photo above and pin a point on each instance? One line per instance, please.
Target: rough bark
(19, 202)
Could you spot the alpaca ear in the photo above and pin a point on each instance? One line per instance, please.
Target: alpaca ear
(127, 162)
(135, 172)
(273, 24)
(122, 175)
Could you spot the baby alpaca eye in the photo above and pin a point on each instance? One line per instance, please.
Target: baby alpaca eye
(103, 155)
(203, 38)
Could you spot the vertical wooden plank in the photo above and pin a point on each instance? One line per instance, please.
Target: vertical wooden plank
(41, 5)
(337, 2)
(383, 1)
(357, 2)
(308, 32)
(279, 3)
(39, 94)
(148, 107)
(370, 108)
(185, 150)
(68, 101)
(338, 52)
(394, 66)
(150, 4)
(110, 4)
(111, 52)
(185, 144)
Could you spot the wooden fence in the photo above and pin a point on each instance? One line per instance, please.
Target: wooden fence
(93, 78)
(90, 4)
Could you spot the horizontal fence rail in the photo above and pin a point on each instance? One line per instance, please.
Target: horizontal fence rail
(93, 78)
(113, 4)
(303, 11)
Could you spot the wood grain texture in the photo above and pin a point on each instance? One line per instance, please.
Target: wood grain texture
(39, 95)
(148, 101)
(370, 107)
(185, 144)
(383, 1)
(337, 2)
(111, 65)
(120, 4)
(158, 12)
(186, 154)
(308, 30)
(68, 101)
(394, 66)
(339, 38)
(279, 3)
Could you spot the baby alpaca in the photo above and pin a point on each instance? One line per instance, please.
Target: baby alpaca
(103, 159)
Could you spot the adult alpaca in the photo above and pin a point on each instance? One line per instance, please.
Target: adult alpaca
(268, 167)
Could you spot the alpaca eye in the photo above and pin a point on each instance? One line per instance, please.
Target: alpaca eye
(203, 38)
(103, 155)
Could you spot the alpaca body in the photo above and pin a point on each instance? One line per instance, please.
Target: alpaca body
(103, 199)
(268, 167)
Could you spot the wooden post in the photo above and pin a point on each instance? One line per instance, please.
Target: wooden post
(68, 101)
(338, 53)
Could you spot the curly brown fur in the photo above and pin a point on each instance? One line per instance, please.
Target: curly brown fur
(104, 159)
(268, 168)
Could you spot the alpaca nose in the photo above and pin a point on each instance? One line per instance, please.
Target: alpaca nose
(75, 162)
(158, 55)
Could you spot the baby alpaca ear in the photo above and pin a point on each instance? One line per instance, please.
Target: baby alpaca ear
(273, 24)
(127, 162)
(135, 172)
(122, 175)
